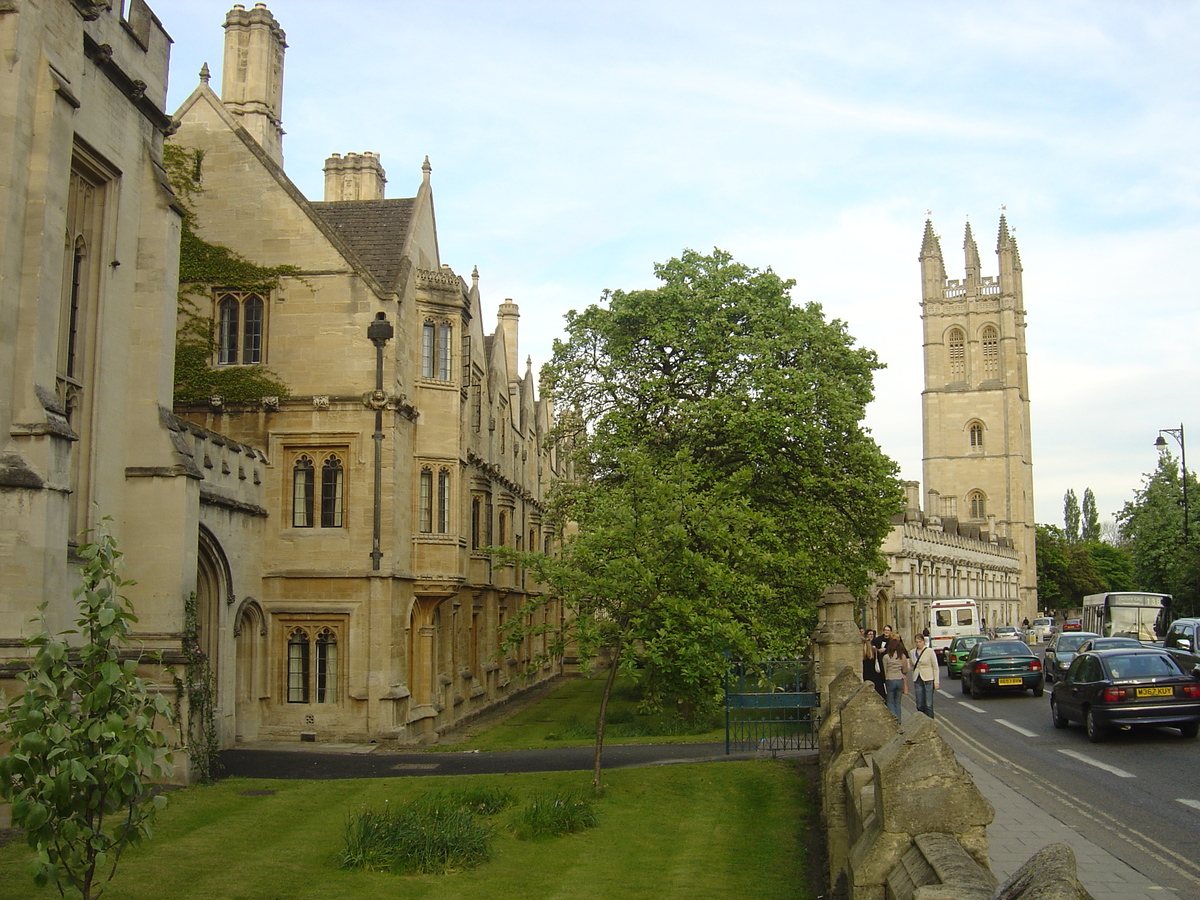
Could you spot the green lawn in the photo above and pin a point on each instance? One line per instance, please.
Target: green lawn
(736, 829)
(567, 718)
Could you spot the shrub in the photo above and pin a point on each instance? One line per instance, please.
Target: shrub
(421, 838)
(553, 815)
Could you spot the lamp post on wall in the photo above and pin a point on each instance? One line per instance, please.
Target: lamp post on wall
(1161, 444)
(379, 332)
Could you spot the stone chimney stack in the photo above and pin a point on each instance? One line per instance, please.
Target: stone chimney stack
(355, 176)
(506, 323)
(252, 75)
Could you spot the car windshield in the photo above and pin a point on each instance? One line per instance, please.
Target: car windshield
(967, 642)
(1113, 643)
(1141, 665)
(1002, 648)
(1071, 642)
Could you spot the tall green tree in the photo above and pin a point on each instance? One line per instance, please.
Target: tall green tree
(1165, 551)
(1066, 570)
(1089, 529)
(717, 390)
(1071, 516)
(83, 738)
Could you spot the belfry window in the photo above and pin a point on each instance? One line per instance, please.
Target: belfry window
(978, 504)
(240, 319)
(956, 344)
(991, 352)
(976, 433)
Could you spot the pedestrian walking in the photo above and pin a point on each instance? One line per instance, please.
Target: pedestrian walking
(895, 674)
(925, 674)
(871, 669)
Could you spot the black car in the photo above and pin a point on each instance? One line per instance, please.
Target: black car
(1109, 643)
(1105, 689)
(1001, 666)
(1061, 650)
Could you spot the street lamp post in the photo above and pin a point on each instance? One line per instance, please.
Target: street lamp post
(379, 332)
(1161, 444)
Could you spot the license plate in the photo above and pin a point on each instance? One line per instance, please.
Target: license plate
(1006, 682)
(1156, 692)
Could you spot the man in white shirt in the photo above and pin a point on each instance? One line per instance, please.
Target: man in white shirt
(925, 674)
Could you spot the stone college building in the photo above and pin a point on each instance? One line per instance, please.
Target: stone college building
(330, 531)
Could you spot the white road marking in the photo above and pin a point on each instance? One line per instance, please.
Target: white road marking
(1017, 728)
(946, 694)
(965, 705)
(1194, 804)
(1120, 773)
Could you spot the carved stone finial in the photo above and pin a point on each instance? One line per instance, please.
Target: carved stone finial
(426, 168)
(204, 74)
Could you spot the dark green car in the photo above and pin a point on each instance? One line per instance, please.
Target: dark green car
(957, 652)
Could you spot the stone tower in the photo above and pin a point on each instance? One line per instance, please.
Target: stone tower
(252, 75)
(978, 463)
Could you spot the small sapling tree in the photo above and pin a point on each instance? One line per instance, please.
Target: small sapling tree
(83, 738)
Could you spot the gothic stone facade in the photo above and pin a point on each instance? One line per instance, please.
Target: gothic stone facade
(976, 536)
(360, 604)
(88, 275)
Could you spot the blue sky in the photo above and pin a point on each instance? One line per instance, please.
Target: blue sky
(575, 144)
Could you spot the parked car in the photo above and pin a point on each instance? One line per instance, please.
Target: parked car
(1006, 632)
(1003, 665)
(957, 652)
(1073, 625)
(1041, 629)
(1108, 643)
(1061, 650)
(1104, 689)
(1180, 642)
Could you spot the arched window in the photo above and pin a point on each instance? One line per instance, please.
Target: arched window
(503, 529)
(476, 523)
(331, 493)
(976, 434)
(978, 504)
(327, 666)
(303, 482)
(991, 351)
(425, 514)
(956, 343)
(297, 666)
(240, 321)
(443, 501)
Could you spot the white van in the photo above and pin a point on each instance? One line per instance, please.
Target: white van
(950, 618)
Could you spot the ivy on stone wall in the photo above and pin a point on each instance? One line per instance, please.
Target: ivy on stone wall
(199, 686)
(202, 266)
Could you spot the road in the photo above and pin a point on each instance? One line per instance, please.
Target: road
(1137, 793)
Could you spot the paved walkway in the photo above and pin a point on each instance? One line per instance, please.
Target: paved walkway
(1019, 830)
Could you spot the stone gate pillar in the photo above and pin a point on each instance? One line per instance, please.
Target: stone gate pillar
(837, 640)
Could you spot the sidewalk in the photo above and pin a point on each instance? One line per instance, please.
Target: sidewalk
(1021, 828)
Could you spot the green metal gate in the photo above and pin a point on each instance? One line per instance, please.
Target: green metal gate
(771, 705)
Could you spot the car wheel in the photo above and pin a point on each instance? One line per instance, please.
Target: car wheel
(1039, 690)
(1095, 732)
(1190, 729)
(1060, 721)
(963, 684)
(976, 692)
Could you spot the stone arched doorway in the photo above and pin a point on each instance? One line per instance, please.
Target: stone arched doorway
(250, 661)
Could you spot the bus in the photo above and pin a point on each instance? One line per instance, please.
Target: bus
(1135, 614)
(950, 618)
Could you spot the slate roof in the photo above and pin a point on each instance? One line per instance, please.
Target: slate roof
(373, 229)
